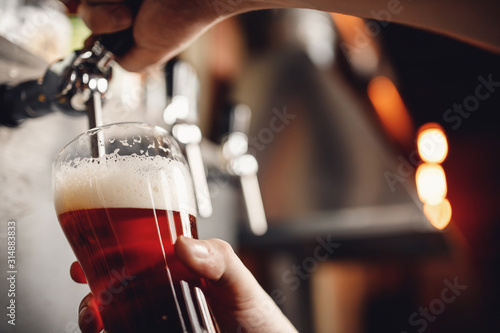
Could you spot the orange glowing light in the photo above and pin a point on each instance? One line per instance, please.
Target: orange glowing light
(431, 183)
(432, 144)
(438, 215)
(347, 25)
(358, 44)
(391, 110)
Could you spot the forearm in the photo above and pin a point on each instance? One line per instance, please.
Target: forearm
(475, 22)
(163, 28)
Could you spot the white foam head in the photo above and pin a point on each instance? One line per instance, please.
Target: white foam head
(114, 181)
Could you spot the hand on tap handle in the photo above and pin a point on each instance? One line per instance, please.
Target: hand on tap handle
(160, 29)
(120, 42)
(238, 301)
(163, 28)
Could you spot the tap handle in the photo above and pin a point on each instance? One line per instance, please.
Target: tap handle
(240, 119)
(254, 205)
(246, 167)
(194, 157)
(182, 115)
(190, 136)
(122, 41)
(182, 93)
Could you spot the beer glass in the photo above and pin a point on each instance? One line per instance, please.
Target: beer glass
(123, 194)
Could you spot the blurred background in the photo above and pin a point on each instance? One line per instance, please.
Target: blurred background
(377, 147)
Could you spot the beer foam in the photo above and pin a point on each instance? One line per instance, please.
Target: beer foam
(115, 181)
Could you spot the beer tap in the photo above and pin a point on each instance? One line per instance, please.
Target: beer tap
(75, 85)
(181, 117)
(240, 163)
(68, 86)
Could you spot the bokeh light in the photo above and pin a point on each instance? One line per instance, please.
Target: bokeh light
(432, 143)
(391, 110)
(431, 183)
(438, 215)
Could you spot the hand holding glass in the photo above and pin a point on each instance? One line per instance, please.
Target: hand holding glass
(123, 194)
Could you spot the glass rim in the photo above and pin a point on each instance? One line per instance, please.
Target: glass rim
(97, 129)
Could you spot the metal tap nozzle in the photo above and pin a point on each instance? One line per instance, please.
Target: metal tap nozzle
(68, 85)
(80, 76)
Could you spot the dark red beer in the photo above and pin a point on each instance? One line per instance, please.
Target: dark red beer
(128, 258)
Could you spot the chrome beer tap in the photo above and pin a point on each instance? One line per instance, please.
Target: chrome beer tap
(181, 117)
(238, 162)
(84, 83)
(75, 85)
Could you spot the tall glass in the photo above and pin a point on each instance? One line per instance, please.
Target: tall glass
(123, 194)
